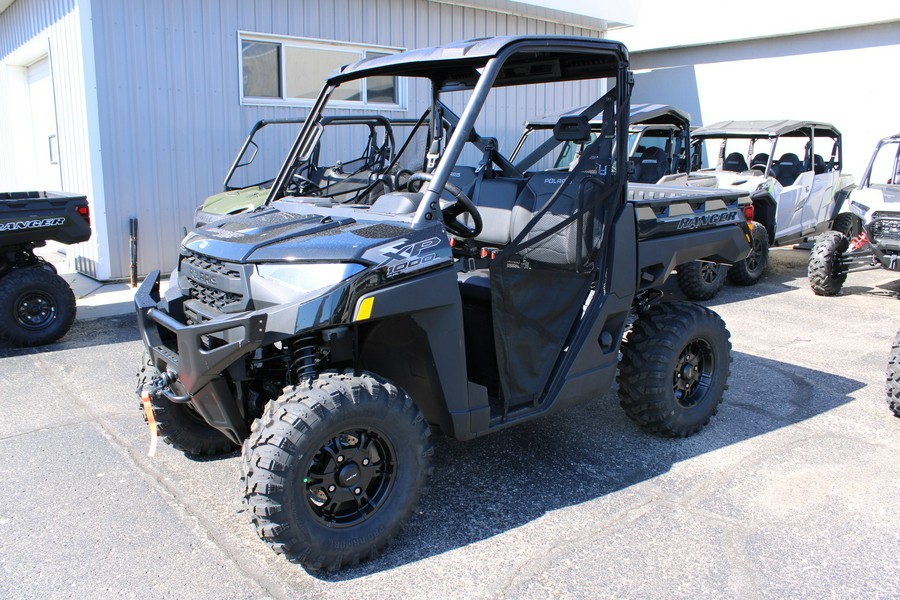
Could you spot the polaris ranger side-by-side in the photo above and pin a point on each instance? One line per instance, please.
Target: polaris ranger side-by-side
(362, 162)
(37, 306)
(330, 340)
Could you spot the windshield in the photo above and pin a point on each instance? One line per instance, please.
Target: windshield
(885, 165)
(429, 126)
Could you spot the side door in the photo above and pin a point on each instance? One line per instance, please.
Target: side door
(825, 160)
(793, 171)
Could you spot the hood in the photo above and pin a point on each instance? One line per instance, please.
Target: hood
(271, 235)
(891, 195)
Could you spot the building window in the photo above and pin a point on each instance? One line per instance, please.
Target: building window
(291, 71)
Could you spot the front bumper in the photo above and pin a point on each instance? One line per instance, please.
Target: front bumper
(179, 348)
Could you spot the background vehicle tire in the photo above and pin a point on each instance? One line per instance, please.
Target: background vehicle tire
(701, 280)
(37, 307)
(750, 270)
(826, 273)
(892, 389)
(334, 468)
(674, 368)
(182, 428)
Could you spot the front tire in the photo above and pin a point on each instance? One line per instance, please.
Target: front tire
(37, 307)
(674, 368)
(892, 388)
(701, 280)
(846, 223)
(826, 271)
(334, 468)
(180, 426)
(750, 270)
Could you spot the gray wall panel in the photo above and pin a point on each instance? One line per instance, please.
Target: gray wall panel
(169, 93)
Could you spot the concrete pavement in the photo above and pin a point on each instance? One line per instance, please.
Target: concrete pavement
(791, 491)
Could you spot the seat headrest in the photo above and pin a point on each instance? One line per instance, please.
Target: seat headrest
(735, 162)
(572, 128)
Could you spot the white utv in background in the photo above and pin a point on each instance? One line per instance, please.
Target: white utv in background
(795, 196)
(865, 233)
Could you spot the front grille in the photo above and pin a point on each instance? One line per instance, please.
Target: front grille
(214, 287)
(885, 228)
(208, 263)
(217, 299)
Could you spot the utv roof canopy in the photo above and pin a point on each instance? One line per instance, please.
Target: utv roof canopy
(532, 59)
(758, 129)
(641, 114)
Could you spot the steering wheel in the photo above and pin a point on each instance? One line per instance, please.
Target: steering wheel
(305, 185)
(450, 213)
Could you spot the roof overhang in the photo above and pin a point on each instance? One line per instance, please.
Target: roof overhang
(597, 15)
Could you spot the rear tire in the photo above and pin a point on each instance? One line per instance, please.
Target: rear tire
(892, 388)
(701, 280)
(826, 273)
(750, 270)
(674, 368)
(334, 468)
(37, 307)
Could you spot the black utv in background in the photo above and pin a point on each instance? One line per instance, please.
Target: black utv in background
(37, 306)
(330, 340)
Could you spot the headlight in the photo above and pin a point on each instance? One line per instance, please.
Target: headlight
(306, 277)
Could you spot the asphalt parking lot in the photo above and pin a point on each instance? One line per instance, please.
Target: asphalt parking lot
(791, 491)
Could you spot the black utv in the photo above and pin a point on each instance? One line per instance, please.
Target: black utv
(331, 340)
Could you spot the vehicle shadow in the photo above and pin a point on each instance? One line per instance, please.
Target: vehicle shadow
(890, 289)
(85, 334)
(494, 484)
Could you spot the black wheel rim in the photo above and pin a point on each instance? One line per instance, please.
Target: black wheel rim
(709, 272)
(754, 259)
(350, 477)
(693, 373)
(35, 310)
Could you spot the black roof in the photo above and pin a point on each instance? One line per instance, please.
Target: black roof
(548, 58)
(640, 114)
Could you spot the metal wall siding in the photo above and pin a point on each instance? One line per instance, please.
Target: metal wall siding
(25, 19)
(58, 22)
(168, 90)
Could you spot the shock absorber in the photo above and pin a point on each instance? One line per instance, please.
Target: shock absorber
(305, 352)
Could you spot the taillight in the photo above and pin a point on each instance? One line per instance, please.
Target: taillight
(749, 213)
(85, 212)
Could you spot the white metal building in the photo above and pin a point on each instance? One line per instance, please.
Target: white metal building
(142, 104)
(823, 60)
